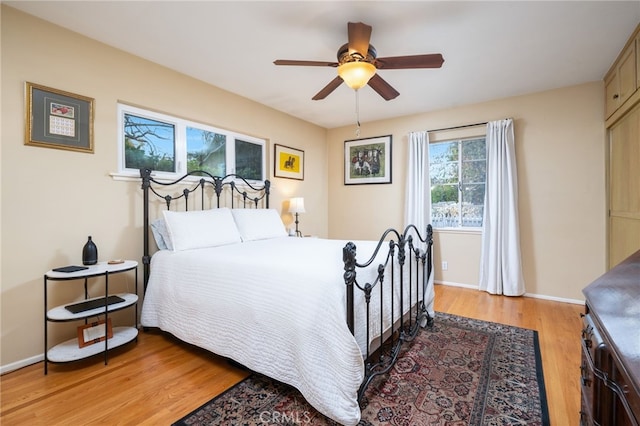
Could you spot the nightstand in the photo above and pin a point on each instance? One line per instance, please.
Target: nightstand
(72, 350)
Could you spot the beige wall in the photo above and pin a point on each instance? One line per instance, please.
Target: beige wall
(53, 199)
(560, 150)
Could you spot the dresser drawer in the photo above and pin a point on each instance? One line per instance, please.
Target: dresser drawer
(595, 346)
(586, 419)
(627, 402)
(595, 366)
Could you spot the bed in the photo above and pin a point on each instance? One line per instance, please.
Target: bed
(325, 316)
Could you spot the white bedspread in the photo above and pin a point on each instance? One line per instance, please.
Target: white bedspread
(287, 323)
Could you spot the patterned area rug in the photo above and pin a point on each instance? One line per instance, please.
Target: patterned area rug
(461, 372)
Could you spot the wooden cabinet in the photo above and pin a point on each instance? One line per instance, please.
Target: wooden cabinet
(627, 80)
(622, 80)
(611, 96)
(638, 61)
(622, 91)
(610, 367)
(624, 187)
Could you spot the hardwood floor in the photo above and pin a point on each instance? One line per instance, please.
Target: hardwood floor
(159, 379)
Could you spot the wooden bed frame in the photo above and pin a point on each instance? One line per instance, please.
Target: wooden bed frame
(402, 248)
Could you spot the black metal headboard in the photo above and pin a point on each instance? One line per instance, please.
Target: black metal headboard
(247, 195)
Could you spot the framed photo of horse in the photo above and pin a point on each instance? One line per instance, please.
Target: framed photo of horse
(367, 160)
(288, 162)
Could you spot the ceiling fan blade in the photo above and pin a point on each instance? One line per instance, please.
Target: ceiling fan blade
(359, 37)
(328, 89)
(305, 63)
(383, 88)
(433, 60)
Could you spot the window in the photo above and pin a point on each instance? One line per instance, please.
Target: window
(457, 169)
(173, 146)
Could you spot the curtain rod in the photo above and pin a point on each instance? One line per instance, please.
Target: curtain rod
(458, 127)
(461, 127)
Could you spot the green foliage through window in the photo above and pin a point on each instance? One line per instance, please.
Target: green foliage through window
(457, 170)
(248, 160)
(206, 151)
(149, 144)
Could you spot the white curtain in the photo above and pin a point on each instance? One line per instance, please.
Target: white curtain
(500, 261)
(418, 191)
(418, 200)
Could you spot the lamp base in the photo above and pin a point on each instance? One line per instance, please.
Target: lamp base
(298, 232)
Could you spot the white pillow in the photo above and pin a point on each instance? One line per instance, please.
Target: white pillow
(161, 234)
(258, 224)
(201, 228)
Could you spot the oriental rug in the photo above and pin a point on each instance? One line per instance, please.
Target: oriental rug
(460, 372)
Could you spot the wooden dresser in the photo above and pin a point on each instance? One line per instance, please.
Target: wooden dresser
(610, 367)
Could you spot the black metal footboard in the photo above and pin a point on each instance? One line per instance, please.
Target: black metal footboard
(409, 262)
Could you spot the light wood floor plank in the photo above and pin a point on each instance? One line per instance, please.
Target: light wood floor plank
(158, 379)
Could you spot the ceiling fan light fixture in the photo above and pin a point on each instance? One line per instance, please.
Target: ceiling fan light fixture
(356, 74)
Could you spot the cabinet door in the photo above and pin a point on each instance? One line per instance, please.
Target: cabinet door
(638, 62)
(624, 187)
(627, 73)
(611, 93)
(623, 79)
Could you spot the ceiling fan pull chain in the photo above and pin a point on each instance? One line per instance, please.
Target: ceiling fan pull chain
(357, 113)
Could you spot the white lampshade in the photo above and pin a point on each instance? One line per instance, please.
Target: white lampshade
(296, 205)
(356, 74)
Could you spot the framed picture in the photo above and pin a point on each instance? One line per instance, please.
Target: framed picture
(288, 162)
(367, 160)
(57, 119)
(94, 332)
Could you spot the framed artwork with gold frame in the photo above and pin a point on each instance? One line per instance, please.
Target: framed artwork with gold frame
(58, 119)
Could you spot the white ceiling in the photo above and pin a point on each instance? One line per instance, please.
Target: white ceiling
(491, 49)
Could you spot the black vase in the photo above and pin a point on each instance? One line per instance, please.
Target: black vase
(89, 253)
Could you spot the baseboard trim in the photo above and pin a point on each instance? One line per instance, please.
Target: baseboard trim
(555, 299)
(533, 295)
(452, 284)
(20, 364)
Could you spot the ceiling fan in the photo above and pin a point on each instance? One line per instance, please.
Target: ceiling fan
(358, 62)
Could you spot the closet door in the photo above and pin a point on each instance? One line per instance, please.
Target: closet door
(624, 187)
